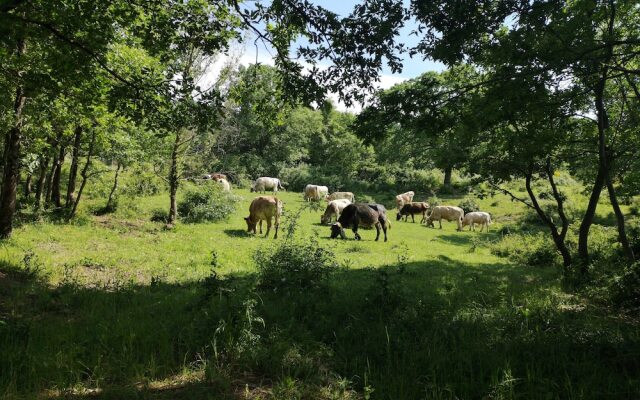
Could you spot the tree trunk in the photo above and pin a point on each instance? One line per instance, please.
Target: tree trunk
(27, 185)
(587, 220)
(73, 170)
(85, 176)
(603, 125)
(604, 164)
(447, 176)
(12, 160)
(40, 187)
(113, 189)
(174, 181)
(558, 238)
(57, 172)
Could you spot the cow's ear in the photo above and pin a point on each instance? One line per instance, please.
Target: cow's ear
(246, 219)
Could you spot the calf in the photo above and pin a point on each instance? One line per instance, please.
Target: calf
(404, 198)
(477, 217)
(341, 195)
(412, 209)
(264, 208)
(226, 187)
(334, 208)
(356, 215)
(448, 213)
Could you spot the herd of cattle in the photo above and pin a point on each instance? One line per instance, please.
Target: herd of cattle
(347, 213)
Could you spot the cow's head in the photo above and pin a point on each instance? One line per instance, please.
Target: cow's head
(251, 226)
(399, 216)
(336, 229)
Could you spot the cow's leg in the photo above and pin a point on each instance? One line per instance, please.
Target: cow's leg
(377, 231)
(277, 224)
(355, 231)
(384, 229)
(268, 227)
(440, 222)
(260, 227)
(413, 220)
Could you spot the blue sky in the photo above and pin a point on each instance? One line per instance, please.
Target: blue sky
(412, 66)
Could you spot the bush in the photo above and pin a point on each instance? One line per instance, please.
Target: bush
(469, 204)
(159, 215)
(626, 287)
(528, 249)
(207, 203)
(434, 201)
(140, 181)
(294, 267)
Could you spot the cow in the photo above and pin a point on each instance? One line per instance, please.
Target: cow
(264, 183)
(404, 198)
(334, 208)
(263, 208)
(477, 217)
(411, 209)
(360, 215)
(224, 184)
(315, 192)
(218, 175)
(448, 213)
(341, 195)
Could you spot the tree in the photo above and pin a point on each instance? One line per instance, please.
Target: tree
(584, 44)
(427, 117)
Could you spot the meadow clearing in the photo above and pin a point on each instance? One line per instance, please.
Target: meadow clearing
(116, 306)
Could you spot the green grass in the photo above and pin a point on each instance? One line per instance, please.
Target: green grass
(117, 307)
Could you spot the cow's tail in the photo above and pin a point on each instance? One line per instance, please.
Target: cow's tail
(388, 224)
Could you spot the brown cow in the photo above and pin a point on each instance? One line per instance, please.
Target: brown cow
(264, 208)
(217, 175)
(411, 209)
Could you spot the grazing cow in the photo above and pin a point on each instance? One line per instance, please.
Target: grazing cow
(477, 217)
(265, 183)
(334, 208)
(217, 175)
(404, 198)
(448, 213)
(315, 192)
(263, 208)
(356, 215)
(341, 195)
(412, 209)
(206, 176)
(226, 187)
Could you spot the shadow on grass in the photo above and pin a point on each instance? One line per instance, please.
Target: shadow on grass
(431, 329)
(236, 233)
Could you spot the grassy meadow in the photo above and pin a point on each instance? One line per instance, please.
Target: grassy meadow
(116, 306)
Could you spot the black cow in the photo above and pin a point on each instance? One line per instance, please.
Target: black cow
(357, 215)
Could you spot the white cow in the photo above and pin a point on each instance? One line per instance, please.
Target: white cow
(226, 187)
(448, 213)
(265, 183)
(315, 192)
(404, 198)
(334, 208)
(477, 217)
(341, 195)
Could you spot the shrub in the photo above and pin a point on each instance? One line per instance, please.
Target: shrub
(528, 249)
(159, 215)
(626, 287)
(294, 267)
(434, 201)
(140, 181)
(207, 203)
(469, 204)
